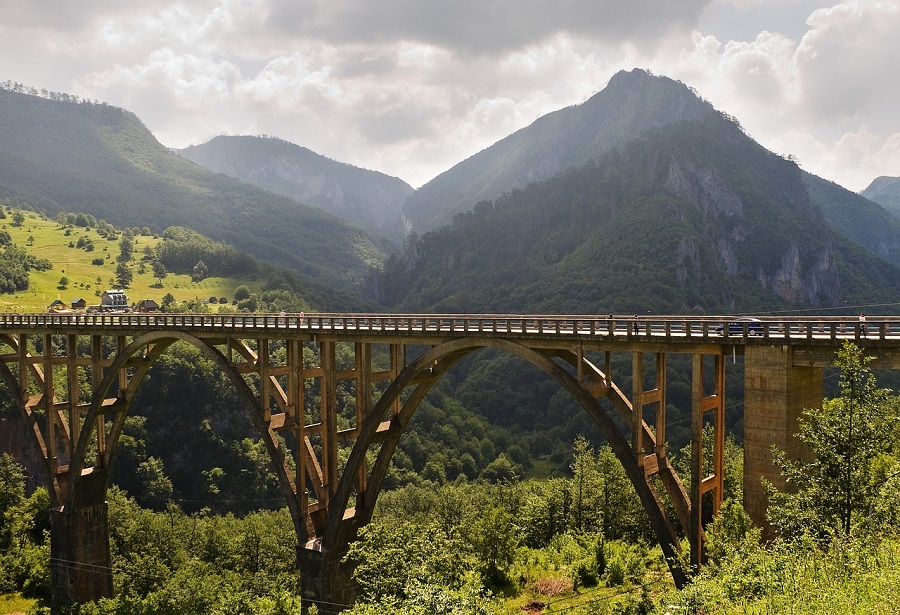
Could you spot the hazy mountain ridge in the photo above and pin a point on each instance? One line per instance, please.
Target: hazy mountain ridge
(885, 191)
(858, 217)
(97, 159)
(631, 103)
(368, 198)
(692, 216)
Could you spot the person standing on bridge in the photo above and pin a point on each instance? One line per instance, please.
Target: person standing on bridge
(862, 324)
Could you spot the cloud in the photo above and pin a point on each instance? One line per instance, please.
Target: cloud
(847, 62)
(411, 87)
(828, 97)
(473, 27)
(65, 16)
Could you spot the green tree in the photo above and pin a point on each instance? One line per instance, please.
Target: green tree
(18, 218)
(199, 272)
(126, 248)
(389, 556)
(159, 272)
(124, 275)
(850, 438)
(12, 492)
(495, 539)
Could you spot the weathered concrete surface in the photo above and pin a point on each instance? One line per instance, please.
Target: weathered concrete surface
(775, 394)
(80, 557)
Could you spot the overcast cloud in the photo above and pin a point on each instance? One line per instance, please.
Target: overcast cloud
(411, 87)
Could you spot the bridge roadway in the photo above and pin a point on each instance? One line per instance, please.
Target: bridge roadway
(75, 438)
(671, 329)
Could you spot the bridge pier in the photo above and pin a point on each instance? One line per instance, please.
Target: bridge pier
(81, 565)
(325, 581)
(775, 394)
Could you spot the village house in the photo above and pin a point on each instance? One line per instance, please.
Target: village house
(147, 305)
(113, 300)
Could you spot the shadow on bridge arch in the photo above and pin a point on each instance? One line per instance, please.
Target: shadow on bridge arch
(422, 374)
(141, 354)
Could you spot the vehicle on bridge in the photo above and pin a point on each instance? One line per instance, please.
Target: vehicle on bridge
(738, 326)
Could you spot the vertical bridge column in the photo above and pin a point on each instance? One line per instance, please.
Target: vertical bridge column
(706, 477)
(775, 394)
(81, 563)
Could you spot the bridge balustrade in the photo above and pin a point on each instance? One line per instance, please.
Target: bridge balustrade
(714, 327)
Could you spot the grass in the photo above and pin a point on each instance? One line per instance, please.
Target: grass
(14, 603)
(543, 469)
(47, 239)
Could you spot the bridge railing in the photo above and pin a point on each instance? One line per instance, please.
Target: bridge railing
(819, 327)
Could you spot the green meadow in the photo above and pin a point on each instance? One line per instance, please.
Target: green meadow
(45, 238)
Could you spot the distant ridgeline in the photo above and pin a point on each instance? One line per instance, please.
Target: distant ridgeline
(59, 153)
(21, 88)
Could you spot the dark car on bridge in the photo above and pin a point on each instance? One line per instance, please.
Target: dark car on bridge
(753, 326)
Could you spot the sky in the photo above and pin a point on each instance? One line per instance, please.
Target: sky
(411, 87)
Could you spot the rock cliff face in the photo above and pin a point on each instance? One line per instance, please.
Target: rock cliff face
(816, 283)
(804, 274)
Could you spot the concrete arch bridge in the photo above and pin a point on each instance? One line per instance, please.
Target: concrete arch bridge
(49, 360)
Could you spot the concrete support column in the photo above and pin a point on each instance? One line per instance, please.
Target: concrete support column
(81, 565)
(325, 581)
(775, 395)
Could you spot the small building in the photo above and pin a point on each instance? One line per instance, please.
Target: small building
(114, 299)
(147, 305)
(79, 304)
(56, 306)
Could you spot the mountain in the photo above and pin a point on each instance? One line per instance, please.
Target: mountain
(690, 216)
(886, 192)
(369, 198)
(59, 155)
(861, 218)
(632, 103)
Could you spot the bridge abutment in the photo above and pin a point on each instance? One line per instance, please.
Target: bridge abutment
(775, 394)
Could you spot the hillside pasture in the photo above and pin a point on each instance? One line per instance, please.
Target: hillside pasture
(45, 238)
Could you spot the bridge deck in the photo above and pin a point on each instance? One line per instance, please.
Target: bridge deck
(668, 329)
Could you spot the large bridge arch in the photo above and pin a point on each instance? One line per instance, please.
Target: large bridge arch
(422, 373)
(106, 395)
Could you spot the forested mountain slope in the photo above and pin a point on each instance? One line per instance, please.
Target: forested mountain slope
(59, 155)
(692, 217)
(368, 198)
(632, 103)
(886, 192)
(861, 218)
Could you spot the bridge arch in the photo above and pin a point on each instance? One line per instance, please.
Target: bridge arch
(422, 374)
(107, 394)
(15, 387)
